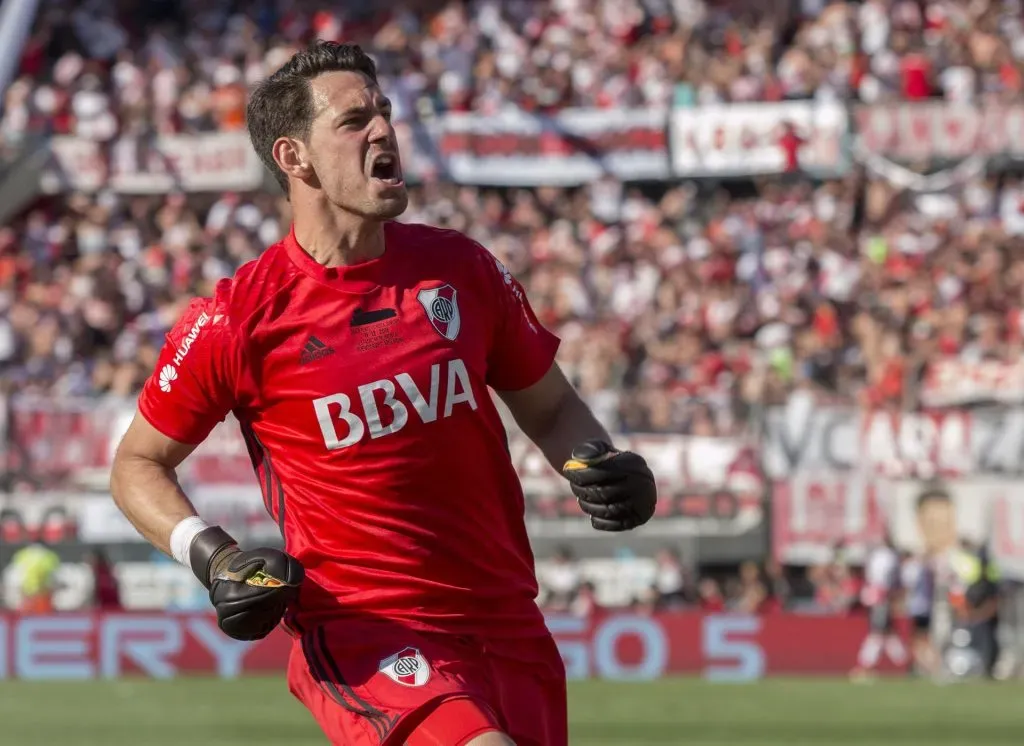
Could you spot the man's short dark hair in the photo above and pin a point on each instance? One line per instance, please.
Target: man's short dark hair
(282, 105)
(933, 495)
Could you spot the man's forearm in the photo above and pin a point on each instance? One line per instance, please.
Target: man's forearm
(148, 494)
(572, 424)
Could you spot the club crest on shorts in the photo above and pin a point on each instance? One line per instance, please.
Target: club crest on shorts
(442, 309)
(407, 667)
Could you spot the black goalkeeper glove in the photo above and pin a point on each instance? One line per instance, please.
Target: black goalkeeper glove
(615, 488)
(250, 589)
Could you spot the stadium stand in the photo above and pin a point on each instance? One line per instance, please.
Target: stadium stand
(721, 207)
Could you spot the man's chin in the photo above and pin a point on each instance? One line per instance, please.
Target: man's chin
(390, 206)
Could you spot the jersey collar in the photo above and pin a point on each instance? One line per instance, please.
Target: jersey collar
(364, 277)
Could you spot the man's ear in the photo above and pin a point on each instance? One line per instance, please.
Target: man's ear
(292, 157)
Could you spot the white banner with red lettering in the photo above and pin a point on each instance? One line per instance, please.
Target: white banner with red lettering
(946, 131)
(574, 146)
(952, 382)
(711, 486)
(708, 486)
(988, 512)
(216, 161)
(807, 436)
(814, 514)
(745, 139)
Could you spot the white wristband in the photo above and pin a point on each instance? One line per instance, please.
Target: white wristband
(182, 536)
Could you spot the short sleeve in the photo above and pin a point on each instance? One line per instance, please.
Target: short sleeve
(522, 350)
(194, 383)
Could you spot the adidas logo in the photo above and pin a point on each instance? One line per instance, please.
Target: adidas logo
(314, 350)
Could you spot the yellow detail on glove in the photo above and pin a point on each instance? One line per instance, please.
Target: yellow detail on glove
(575, 464)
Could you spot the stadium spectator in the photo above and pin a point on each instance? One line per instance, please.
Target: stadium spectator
(879, 594)
(780, 589)
(836, 589)
(711, 598)
(561, 581)
(34, 574)
(585, 603)
(106, 592)
(752, 595)
(672, 581)
(917, 577)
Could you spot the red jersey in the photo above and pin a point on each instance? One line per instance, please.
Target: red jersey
(362, 394)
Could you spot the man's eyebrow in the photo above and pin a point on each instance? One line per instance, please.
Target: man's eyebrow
(353, 109)
(360, 108)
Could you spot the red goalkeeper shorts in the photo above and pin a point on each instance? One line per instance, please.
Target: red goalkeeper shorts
(373, 683)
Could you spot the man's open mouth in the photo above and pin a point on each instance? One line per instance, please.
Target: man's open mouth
(385, 168)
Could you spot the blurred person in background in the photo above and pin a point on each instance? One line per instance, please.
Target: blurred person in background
(710, 596)
(106, 590)
(752, 594)
(974, 599)
(34, 570)
(671, 580)
(917, 577)
(840, 592)
(585, 603)
(969, 578)
(879, 596)
(845, 584)
(561, 580)
(779, 586)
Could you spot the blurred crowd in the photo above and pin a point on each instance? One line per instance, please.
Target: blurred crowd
(581, 587)
(835, 586)
(98, 67)
(682, 307)
(679, 311)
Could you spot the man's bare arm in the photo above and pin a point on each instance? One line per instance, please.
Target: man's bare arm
(552, 415)
(145, 488)
(144, 485)
(615, 488)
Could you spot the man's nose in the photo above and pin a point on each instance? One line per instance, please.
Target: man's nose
(380, 129)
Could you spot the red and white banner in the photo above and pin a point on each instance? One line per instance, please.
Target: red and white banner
(951, 382)
(39, 517)
(617, 646)
(921, 444)
(813, 513)
(1006, 535)
(745, 139)
(66, 444)
(713, 486)
(574, 146)
(950, 131)
(988, 512)
(217, 161)
(804, 436)
(238, 508)
(710, 486)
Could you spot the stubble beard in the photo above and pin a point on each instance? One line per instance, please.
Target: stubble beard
(370, 207)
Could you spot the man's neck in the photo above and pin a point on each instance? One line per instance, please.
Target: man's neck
(335, 238)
